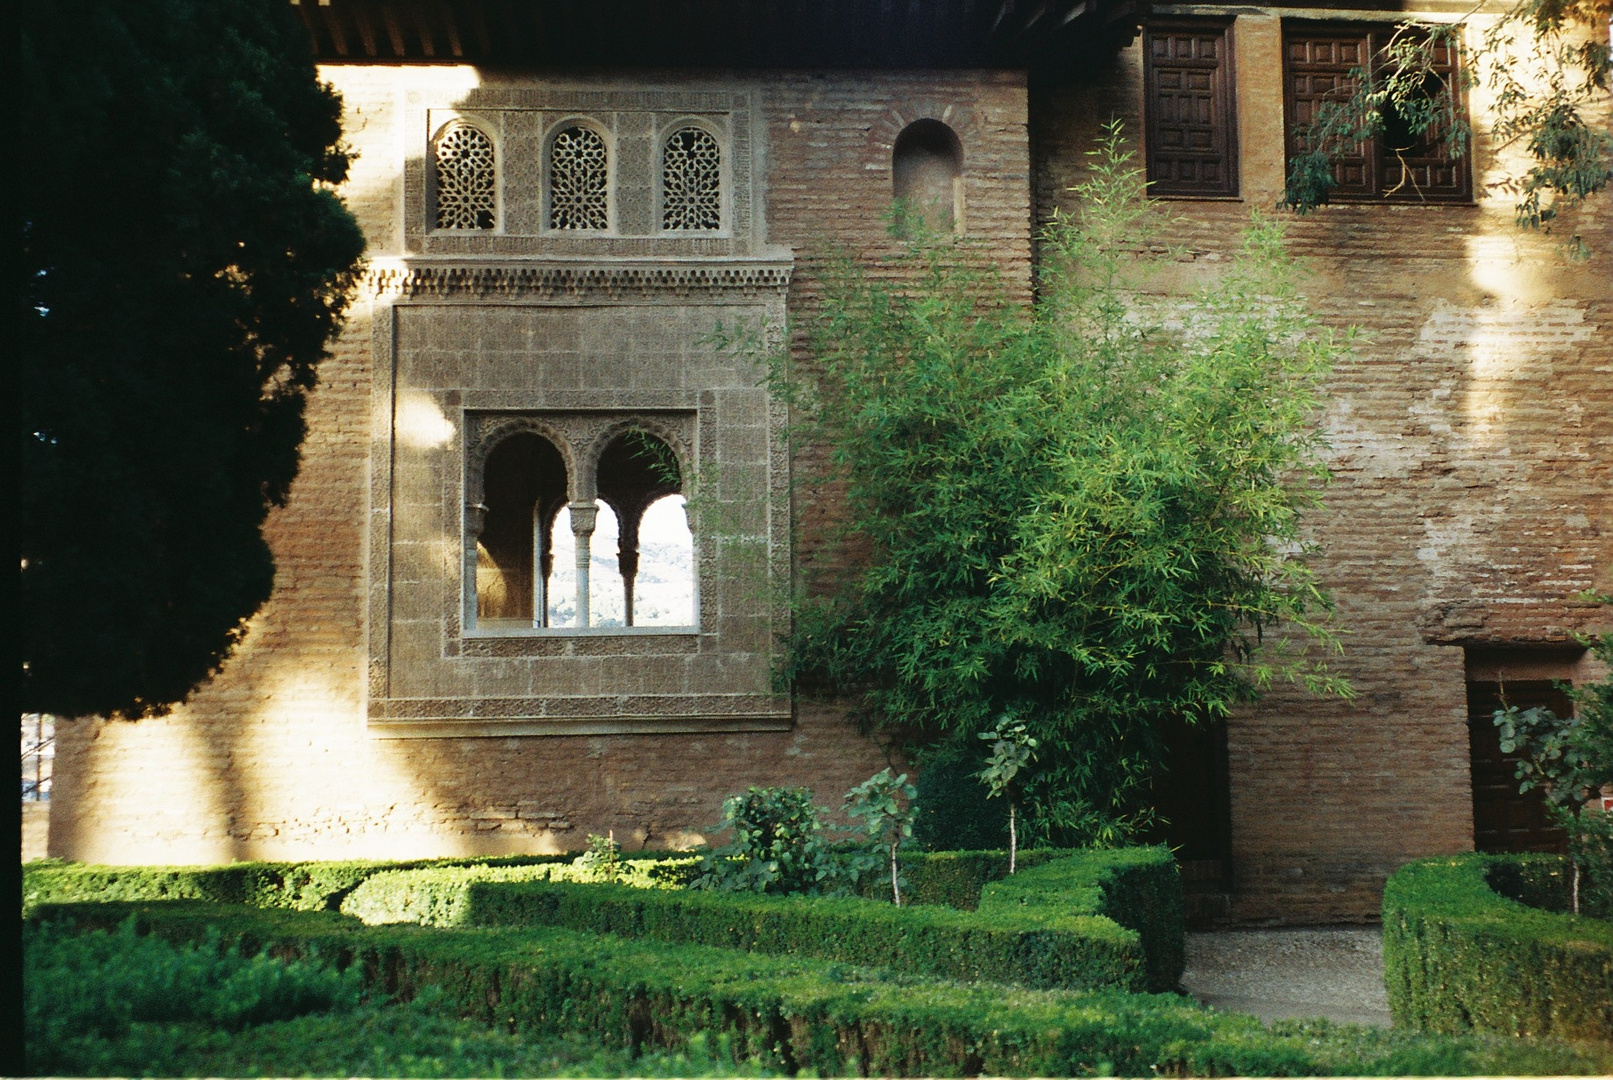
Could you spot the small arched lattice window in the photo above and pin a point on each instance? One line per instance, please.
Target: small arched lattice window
(927, 174)
(579, 180)
(464, 170)
(691, 181)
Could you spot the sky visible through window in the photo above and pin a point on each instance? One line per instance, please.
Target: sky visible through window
(664, 588)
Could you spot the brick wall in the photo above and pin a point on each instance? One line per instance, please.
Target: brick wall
(272, 759)
(1472, 446)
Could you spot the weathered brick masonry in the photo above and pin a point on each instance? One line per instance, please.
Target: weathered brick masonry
(1472, 447)
(1471, 435)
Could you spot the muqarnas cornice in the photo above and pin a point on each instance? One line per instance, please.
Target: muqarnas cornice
(580, 278)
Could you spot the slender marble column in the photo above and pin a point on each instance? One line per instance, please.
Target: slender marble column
(583, 516)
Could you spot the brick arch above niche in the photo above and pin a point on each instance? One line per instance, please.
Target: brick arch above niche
(960, 116)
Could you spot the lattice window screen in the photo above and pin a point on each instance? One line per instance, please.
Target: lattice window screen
(579, 181)
(466, 197)
(691, 181)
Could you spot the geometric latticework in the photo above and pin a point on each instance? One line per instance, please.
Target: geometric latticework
(465, 175)
(578, 181)
(691, 181)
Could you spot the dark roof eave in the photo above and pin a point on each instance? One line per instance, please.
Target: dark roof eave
(676, 34)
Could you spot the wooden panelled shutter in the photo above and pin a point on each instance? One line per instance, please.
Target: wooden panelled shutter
(1191, 122)
(1319, 66)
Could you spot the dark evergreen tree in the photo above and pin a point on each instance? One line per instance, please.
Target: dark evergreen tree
(184, 262)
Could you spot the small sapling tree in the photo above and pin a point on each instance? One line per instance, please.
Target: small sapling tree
(884, 803)
(603, 860)
(1011, 750)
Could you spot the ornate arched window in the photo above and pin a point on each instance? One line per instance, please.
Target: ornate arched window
(927, 174)
(579, 180)
(466, 190)
(691, 181)
(636, 472)
(524, 489)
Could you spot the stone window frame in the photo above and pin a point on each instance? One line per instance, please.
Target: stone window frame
(1224, 95)
(725, 183)
(581, 438)
(607, 133)
(489, 131)
(1372, 33)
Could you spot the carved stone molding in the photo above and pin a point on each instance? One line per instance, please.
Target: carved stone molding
(549, 279)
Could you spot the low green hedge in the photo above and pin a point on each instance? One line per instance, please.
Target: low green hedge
(302, 886)
(1139, 888)
(1053, 926)
(953, 878)
(1459, 956)
(831, 1018)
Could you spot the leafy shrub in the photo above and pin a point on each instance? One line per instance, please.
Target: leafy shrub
(1570, 760)
(97, 984)
(602, 861)
(1459, 956)
(1085, 516)
(795, 1014)
(777, 846)
(1138, 888)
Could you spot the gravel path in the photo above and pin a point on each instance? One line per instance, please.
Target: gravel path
(1283, 974)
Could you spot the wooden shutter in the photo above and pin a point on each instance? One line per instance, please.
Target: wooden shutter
(1318, 67)
(1192, 134)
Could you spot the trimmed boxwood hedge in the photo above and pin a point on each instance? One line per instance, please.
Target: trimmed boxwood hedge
(1047, 927)
(834, 1019)
(302, 886)
(1459, 956)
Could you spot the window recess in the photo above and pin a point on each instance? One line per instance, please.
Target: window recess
(1324, 64)
(1191, 116)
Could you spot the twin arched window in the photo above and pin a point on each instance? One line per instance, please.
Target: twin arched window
(578, 174)
(546, 562)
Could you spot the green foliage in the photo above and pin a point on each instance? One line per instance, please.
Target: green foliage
(955, 878)
(602, 861)
(87, 987)
(1072, 935)
(952, 811)
(316, 886)
(1547, 66)
(777, 845)
(884, 803)
(1570, 760)
(1085, 516)
(123, 1004)
(795, 1015)
(183, 263)
(1459, 956)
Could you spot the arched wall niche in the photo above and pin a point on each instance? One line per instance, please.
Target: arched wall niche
(927, 174)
